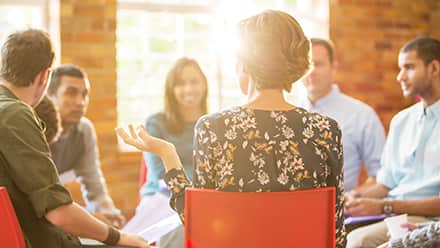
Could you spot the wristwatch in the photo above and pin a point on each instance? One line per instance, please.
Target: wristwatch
(387, 207)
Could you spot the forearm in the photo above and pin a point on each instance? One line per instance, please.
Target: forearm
(75, 220)
(423, 207)
(170, 158)
(374, 191)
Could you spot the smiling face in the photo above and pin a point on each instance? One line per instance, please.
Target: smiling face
(190, 88)
(72, 99)
(413, 76)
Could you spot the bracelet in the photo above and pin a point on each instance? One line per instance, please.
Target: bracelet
(113, 236)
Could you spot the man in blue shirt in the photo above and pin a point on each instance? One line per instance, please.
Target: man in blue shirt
(363, 135)
(409, 179)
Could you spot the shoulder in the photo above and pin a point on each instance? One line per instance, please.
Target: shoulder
(16, 113)
(86, 129)
(357, 105)
(155, 119)
(317, 121)
(405, 114)
(217, 118)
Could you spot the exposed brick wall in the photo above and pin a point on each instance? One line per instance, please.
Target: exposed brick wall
(368, 35)
(87, 31)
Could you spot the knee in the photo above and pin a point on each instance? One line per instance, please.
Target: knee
(357, 239)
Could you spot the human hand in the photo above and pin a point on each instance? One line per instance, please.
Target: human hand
(409, 226)
(349, 198)
(111, 218)
(132, 240)
(364, 207)
(140, 139)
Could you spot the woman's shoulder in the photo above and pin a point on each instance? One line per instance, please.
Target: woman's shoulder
(218, 117)
(317, 121)
(156, 118)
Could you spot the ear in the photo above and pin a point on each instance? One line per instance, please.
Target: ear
(41, 78)
(434, 68)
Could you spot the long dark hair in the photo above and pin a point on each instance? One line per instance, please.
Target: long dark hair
(173, 117)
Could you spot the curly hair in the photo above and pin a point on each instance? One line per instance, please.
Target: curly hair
(273, 49)
(48, 113)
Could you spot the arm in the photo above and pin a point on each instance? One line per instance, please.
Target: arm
(88, 171)
(424, 237)
(153, 161)
(335, 162)
(204, 173)
(369, 202)
(89, 174)
(372, 144)
(422, 207)
(28, 154)
(72, 218)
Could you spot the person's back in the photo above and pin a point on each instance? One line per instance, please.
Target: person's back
(47, 215)
(26, 169)
(253, 150)
(267, 144)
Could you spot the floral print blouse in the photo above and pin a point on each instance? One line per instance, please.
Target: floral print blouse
(250, 150)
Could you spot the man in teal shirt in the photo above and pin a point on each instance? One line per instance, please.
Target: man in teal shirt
(44, 208)
(409, 180)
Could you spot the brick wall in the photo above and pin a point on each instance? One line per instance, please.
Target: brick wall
(367, 33)
(87, 30)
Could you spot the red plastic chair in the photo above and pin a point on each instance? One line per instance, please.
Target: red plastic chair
(300, 218)
(11, 235)
(143, 171)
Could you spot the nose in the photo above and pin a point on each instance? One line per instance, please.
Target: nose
(401, 75)
(80, 100)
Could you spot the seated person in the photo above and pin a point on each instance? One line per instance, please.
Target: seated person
(50, 117)
(75, 153)
(185, 100)
(408, 181)
(427, 236)
(47, 215)
(266, 144)
(363, 135)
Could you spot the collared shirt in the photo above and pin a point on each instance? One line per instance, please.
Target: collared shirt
(411, 158)
(363, 135)
(77, 151)
(29, 174)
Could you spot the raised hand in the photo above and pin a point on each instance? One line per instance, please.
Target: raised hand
(140, 139)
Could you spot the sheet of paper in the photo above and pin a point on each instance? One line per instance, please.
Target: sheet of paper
(156, 231)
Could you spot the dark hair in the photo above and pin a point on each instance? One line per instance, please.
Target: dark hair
(64, 70)
(273, 49)
(48, 113)
(327, 44)
(173, 117)
(24, 55)
(427, 48)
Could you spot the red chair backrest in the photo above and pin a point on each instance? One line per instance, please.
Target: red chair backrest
(143, 171)
(300, 218)
(11, 235)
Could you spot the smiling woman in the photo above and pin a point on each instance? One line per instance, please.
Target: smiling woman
(185, 101)
(151, 34)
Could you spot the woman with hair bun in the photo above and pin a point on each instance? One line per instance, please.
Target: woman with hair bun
(266, 144)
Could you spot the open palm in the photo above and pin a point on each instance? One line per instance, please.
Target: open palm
(140, 139)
